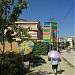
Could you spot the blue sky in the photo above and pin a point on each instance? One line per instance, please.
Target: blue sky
(61, 10)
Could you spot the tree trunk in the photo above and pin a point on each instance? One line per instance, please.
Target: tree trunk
(3, 41)
(11, 46)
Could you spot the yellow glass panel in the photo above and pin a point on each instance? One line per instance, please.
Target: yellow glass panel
(46, 36)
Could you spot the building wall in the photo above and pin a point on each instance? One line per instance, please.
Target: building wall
(8, 47)
(26, 25)
(40, 32)
(35, 32)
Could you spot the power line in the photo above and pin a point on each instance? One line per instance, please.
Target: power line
(59, 8)
(60, 12)
(66, 15)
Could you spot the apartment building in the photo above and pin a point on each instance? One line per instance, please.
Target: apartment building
(35, 32)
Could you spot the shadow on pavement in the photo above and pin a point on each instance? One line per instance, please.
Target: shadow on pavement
(38, 61)
(62, 71)
(40, 73)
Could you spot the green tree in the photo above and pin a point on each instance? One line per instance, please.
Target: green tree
(22, 32)
(18, 31)
(10, 10)
(41, 48)
(73, 43)
(67, 44)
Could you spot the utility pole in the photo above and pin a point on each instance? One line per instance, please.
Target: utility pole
(51, 31)
(57, 38)
(50, 44)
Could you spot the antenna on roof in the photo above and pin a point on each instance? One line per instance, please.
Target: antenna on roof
(51, 19)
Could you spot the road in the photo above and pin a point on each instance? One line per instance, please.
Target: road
(44, 68)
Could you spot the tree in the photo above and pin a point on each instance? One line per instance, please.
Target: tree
(41, 48)
(10, 10)
(67, 44)
(22, 32)
(18, 31)
(73, 43)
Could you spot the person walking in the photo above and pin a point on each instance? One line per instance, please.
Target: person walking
(55, 57)
(55, 62)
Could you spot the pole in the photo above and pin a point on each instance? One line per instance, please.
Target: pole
(57, 37)
(51, 30)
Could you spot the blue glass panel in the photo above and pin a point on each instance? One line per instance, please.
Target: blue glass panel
(53, 34)
(46, 23)
(46, 40)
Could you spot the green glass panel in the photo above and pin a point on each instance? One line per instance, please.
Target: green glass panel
(46, 30)
(54, 27)
(54, 24)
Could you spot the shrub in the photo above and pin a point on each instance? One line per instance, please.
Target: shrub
(41, 48)
(11, 65)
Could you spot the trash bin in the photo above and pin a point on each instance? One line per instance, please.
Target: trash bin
(26, 66)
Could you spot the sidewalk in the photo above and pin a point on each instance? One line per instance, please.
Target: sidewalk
(46, 68)
(69, 57)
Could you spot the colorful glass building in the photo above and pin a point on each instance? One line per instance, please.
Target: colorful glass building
(50, 32)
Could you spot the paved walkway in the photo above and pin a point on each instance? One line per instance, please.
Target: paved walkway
(69, 57)
(45, 68)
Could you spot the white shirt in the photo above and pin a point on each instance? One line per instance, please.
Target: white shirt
(55, 61)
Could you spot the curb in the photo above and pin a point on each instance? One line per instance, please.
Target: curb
(69, 63)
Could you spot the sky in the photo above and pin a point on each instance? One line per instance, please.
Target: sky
(62, 12)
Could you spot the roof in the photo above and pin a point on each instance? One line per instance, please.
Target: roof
(26, 21)
(21, 20)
